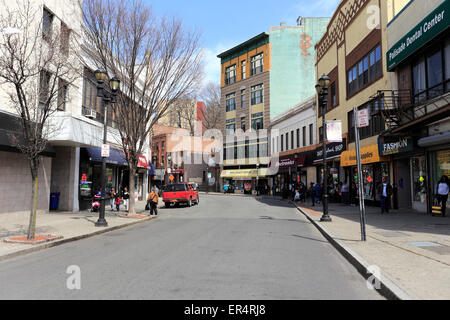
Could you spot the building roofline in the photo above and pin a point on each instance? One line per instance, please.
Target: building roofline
(310, 102)
(239, 47)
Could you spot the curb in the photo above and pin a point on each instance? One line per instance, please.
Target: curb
(388, 288)
(66, 240)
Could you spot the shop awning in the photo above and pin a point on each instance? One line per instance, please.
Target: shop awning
(244, 173)
(115, 156)
(143, 163)
(369, 154)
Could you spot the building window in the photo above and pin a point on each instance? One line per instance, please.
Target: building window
(365, 72)
(44, 83)
(282, 143)
(163, 143)
(257, 94)
(231, 126)
(431, 73)
(287, 141)
(47, 24)
(258, 121)
(230, 102)
(243, 99)
(298, 138)
(230, 75)
(257, 63)
(65, 37)
(243, 70)
(292, 139)
(243, 124)
(62, 94)
(376, 121)
(321, 134)
(304, 136)
(311, 135)
(333, 95)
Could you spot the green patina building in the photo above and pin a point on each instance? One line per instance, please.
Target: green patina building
(293, 76)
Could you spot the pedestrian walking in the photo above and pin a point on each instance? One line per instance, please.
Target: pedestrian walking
(318, 192)
(312, 192)
(126, 198)
(112, 196)
(117, 201)
(152, 202)
(385, 191)
(442, 193)
(345, 192)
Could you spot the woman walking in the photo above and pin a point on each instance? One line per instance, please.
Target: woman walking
(442, 193)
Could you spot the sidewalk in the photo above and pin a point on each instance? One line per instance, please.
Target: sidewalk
(411, 249)
(70, 225)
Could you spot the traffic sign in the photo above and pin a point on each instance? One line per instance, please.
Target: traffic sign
(105, 150)
(362, 118)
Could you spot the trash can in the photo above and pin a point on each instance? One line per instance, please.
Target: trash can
(54, 201)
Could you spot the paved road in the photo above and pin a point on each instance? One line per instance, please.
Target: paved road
(225, 248)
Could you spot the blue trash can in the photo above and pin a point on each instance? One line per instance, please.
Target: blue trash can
(54, 201)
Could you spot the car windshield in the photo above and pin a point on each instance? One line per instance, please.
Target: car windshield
(174, 187)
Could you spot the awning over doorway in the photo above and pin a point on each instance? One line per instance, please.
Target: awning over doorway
(369, 154)
(115, 156)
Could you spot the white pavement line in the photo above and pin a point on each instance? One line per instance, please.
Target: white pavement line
(51, 244)
(388, 289)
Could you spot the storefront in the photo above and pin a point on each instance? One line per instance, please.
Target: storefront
(245, 181)
(374, 169)
(333, 159)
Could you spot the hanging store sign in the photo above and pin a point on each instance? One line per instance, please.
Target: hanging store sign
(334, 150)
(394, 145)
(430, 27)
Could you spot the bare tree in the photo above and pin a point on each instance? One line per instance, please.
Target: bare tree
(212, 111)
(36, 69)
(156, 59)
(184, 112)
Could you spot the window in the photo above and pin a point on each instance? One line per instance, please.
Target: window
(431, 73)
(287, 141)
(321, 134)
(257, 94)
(257, 63)
(258, 121)
(230, 102)
(292, 139)
(163, 143)
(47, 23)
(365, 72)
(435, 74)
(62, 94)
(230, 126)
(243, 124)
(376, 121)
(333, 94)
(282, 143)
(65, 37)
(243, 70)
(243, 99)
(298, 138)
(44, 83)
(304, 136)
(162, 162)
(230, 75)
(311, 135)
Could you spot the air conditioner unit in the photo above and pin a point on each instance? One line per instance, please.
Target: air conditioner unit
(91, 114)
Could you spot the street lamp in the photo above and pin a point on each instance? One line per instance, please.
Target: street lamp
(257, 178)
(114, 83)
(322, 90)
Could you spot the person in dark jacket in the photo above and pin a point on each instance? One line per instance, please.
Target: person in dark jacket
(385, 191)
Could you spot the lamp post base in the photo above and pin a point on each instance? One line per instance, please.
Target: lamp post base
(101, 223)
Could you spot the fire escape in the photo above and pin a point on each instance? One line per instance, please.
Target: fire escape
(398, 107)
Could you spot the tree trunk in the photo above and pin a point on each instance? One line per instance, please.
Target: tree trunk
(34, 166)
(131, 208)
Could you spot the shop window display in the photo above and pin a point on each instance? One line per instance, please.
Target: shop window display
(441, 166)
(419, 179)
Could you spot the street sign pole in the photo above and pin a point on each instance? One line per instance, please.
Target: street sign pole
(362, 208)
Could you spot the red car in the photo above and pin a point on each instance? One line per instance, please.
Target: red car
(180, 193)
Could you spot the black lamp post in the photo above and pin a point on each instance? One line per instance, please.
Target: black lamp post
(322, 90)
(114, 83)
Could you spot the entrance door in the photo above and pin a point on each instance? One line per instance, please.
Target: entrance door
(419, 183)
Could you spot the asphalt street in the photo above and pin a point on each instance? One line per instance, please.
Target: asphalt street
(227, 248)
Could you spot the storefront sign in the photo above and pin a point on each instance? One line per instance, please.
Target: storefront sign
(334, 131)
(369, 154)
(435, 23)
(389, 146)
(333, 150)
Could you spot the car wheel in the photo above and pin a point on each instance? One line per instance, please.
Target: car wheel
(167, 204)
(189, 204)
(198, 200)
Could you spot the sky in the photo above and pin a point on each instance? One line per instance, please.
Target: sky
(225, 24)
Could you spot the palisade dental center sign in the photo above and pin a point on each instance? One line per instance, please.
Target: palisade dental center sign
(435, 23)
